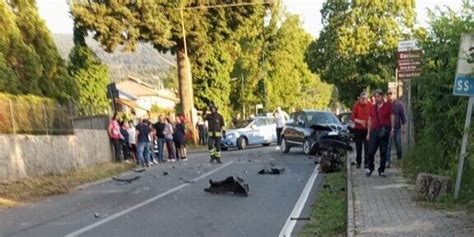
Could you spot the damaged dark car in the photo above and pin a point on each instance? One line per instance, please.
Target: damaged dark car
(306, 128)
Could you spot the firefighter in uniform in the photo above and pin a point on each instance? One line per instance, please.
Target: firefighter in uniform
(215, 123)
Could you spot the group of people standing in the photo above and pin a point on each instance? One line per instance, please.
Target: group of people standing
(378, 124)
(145, 142)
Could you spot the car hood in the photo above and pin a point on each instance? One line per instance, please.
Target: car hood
(238, 130)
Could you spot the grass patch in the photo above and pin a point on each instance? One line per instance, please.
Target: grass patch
(34, 188)
(329, 216)
(430, 158)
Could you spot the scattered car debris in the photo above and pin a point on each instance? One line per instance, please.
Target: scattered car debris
(139, 170)
(300, 218)
(229, 185)
(126, 180)
(165, 173)
(272, 171)
(97, 215)
(189, 181)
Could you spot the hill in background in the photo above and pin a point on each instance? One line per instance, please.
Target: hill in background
(145, 63)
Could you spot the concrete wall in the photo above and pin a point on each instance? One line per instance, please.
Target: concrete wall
(27, 155)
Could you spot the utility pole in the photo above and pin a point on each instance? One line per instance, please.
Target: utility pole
(187, 96)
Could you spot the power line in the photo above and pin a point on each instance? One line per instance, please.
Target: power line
(270, 2)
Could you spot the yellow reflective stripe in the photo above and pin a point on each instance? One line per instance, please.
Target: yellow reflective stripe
(212, 152)
(216, 134)
(218, 154)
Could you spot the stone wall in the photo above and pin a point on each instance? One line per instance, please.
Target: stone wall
(28, 155)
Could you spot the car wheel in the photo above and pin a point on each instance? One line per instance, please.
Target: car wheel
(224, 148)
(285, 148)
(307, 147)
(241, 143)
(266, 144)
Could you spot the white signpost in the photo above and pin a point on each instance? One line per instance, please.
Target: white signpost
(464, 86)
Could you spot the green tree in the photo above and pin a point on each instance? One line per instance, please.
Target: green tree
(90, 76)
(125, 23)
(20, 64)
(356, 48)
(290, 83)
(438, 115)
(53, 81)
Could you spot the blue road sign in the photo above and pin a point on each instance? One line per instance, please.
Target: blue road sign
(464, 85)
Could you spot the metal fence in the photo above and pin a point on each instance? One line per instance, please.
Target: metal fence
(30, 118)
(97, 122)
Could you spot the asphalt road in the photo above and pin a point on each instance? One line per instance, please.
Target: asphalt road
(176, 205)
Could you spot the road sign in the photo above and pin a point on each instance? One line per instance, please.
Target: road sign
(463, 86)
(407, 45)
(409, 64)
(466, 55)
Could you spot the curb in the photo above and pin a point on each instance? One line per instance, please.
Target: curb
(350, 201)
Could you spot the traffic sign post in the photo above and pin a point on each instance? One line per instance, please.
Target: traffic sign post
(409, 62)
(464, 86)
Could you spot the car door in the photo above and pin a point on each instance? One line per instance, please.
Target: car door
(268, 131)
(301, 124)
(290, 127)
(256, 133)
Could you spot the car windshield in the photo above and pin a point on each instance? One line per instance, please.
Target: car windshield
(243, 123)
(322, 118)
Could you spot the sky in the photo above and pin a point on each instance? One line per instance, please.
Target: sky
(56, 13)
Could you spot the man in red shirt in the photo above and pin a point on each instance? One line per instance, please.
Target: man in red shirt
(360, 117)
(379, 131)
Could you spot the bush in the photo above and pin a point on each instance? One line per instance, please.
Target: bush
(33, 115)
(438, 115)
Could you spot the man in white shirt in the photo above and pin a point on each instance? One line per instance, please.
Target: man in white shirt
(280, 119)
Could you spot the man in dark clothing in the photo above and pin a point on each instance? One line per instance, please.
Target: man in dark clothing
(159, 128)
(398, 123)
(215, 123)
(360, 117)
(379, 131)
(143, 130)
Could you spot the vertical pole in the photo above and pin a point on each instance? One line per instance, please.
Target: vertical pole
(242, 96)
(410, 125)
(71, 115)
(398, 83)
(463, 147)
(189, 81)
(45, 119)
(11, 115)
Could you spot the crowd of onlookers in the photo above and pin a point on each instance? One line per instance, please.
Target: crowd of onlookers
(379, 123)
(145, 142)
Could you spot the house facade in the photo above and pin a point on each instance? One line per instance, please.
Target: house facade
(137, 98)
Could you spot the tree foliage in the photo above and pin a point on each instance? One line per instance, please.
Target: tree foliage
(438, 115)
(356, 48)
(90, 77)
(19, 60)
(54, 81)
(210, 34)
(290, 83)
(29, 60)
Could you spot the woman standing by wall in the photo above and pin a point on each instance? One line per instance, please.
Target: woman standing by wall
(180, 138)
(114, 134)
(168, 132)
(132, 133)
(125, 141)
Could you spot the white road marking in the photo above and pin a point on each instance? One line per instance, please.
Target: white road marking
(290, 224)
(141, 204)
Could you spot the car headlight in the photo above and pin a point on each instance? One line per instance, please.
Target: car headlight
(230, 136)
